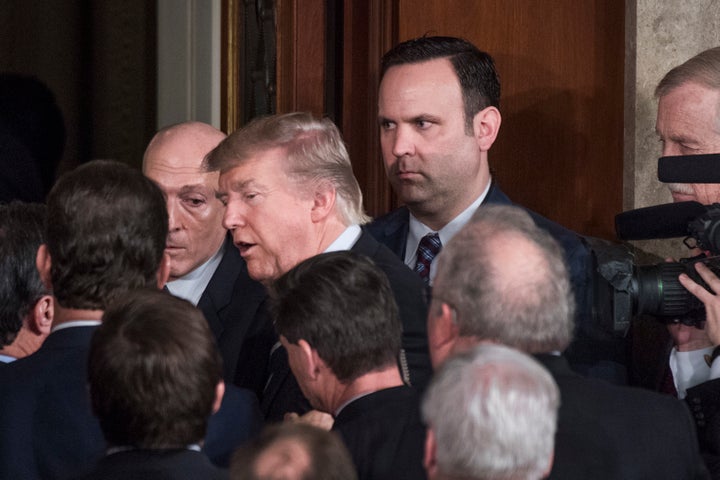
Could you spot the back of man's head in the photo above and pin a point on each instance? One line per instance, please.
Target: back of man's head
(293, 451)
(492, 414)
(506, 280)
(153, 372)
(22, 228)
(342, 305)
(105, 235)
(703, 68)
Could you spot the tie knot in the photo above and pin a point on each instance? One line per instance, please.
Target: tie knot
(427, 249)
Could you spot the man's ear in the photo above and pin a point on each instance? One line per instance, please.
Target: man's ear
(448, 331)
(311, 361)
(430, 459)
(42, 315)
(219, 393)
(486, 125)
(163, 272)
(323, 201)
(43, 262)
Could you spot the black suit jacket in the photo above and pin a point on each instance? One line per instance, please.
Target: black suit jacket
(593, 352)
(384, 434)
(47, 429)
(610, 432)
(156, 465)
(282, 393)
(233, 305)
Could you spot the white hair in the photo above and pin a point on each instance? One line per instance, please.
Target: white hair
(493, 412)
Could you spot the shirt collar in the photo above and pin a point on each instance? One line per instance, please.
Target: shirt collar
(192, 285)
(346, 240)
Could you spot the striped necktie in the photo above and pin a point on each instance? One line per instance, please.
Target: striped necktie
(429, 247)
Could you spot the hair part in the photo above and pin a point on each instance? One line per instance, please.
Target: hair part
(529, 307)
(493, 412)
(340, 303)
(106, 234)
(314, 154)
(153, 370)
(22, 231)
(475, 69)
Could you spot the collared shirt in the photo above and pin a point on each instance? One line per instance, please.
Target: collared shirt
(690, 368)
(417, 230)
(195, 447)
(192, 285)
(6, 358)
(75, 323)
(346, 240)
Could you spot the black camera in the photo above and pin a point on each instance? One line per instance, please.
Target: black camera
(623, 290)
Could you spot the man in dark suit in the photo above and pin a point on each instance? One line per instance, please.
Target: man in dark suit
(491, 413)
(106, 236)
(337, 318)
(205, 268)
(503, 279)
(290, 194)
(155, 377)
(438, 111)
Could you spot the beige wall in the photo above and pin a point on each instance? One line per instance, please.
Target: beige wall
(660, 35)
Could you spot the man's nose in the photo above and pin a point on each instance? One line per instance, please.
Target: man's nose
(403, 142)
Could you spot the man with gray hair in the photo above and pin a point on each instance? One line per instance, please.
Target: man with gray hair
(491, 414)
(503, 279)
(290, 194)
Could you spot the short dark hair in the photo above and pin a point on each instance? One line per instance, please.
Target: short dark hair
(329, 458)
(342, 305)
(22, 229)
(475, 69)
(106, 232)
(153, 368)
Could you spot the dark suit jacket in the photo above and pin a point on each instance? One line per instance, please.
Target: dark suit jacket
(233, 305)
(283, 394)
(609, 432)
(48, 429)
(593, 352)
(384, 434)
(156, 465)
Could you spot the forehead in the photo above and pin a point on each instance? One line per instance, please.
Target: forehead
(417, 82)
(263, 168)
(689, 103)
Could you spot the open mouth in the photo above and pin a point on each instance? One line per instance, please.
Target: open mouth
(243, 247)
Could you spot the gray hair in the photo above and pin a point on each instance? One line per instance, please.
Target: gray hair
(529, 305)
(493, 412)
(314, 153)
(703, 68)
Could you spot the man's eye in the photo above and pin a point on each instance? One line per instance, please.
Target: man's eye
(387, 125)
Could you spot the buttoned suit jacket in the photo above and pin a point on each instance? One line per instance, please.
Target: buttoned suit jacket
(156, 465)
(283, 393)
(593, 351)
(233, 304)
(48, 429)
(611, 432)
(384, 434)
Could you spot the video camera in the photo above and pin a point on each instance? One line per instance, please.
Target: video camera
(624, 290)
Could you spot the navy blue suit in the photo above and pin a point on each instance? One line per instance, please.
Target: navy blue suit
(47, 427)
(591, 347)
(233, 305)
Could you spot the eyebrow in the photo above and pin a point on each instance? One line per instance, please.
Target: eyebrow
(194, 188)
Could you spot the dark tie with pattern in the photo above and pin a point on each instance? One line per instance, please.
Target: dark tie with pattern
(429, 247)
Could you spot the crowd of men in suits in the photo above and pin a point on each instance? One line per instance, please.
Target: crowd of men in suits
(236, 282)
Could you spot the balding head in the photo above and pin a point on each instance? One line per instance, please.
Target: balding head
(173, 160)
(503, 279)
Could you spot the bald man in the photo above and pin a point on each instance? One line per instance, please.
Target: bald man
(205, 267)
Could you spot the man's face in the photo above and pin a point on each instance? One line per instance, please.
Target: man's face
(268, 215)
(688, 124)
(430, 160)
(297, 360)
(195, 214)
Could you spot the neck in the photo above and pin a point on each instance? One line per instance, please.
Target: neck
(386, 377)
(64, 315)
(24, 344)
(328, 232)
